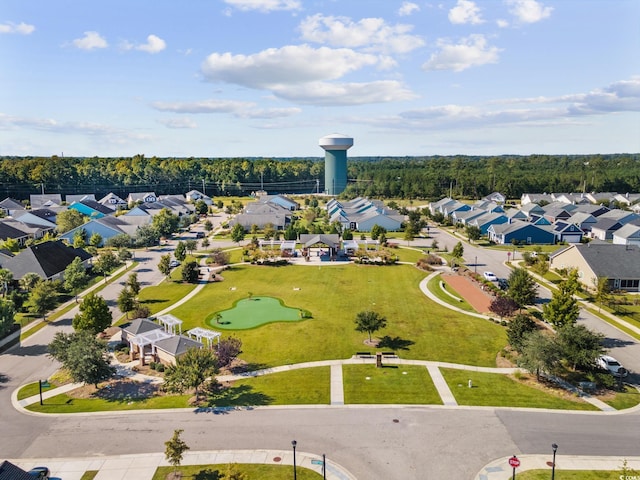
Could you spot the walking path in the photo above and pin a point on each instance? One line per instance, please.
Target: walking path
(143, 467)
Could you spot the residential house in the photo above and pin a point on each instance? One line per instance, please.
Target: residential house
(620, 264)
(141, 197)
(437, 207)
(485, 221)
(107, 227)
(44, 220)
(78, 198)
(495, 197)
(9, 206)
(533, 211)
(47, 259)
(464, 217)
(262, 214)
(113, 201)
(281, 200)
(362, 214)
(622, 216)
(46, 200)
(595, 210)
(520, 233)
(488, 206)
(537, 198)
(567, 232)
(9, 471)
(628, 234)
(627, 199)
(603, 229)
(91, 208)
(604, 198)
(10, 230)
(194, 195)
(584, 221)
(516, 214)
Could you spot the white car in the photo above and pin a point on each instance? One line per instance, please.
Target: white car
(612, 365)
(490, 276)
(174, 263)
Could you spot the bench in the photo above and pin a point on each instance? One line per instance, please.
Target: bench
(364, 354)
(389, 354)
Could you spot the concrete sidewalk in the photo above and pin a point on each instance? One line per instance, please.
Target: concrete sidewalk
(143, 467)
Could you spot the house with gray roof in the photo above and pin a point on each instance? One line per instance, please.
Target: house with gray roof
(11, 230)
(584, 221)
(483, 222)
(79, 197)
(48, 260)
(45, 200)
(620, 264)
(113, 201)
(195, 195)
(628, 234)
(9, 206)
(537, 198)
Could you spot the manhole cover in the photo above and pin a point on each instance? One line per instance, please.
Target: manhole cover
(395, 420)
(276, 459)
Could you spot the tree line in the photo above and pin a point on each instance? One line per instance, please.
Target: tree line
(421, 177)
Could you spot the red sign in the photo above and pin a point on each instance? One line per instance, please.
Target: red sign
(514, 461)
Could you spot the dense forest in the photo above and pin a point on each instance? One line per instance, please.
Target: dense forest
(425, 178)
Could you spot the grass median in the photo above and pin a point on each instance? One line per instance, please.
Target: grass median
(214, 472)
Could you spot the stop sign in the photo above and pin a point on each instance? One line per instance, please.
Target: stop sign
(514, 461)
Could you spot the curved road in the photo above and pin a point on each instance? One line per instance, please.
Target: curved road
(395, 442)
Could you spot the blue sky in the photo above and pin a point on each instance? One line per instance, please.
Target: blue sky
(228, 78)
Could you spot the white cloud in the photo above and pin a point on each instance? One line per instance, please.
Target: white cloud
(235, 108)
(21, 28)
(472, 51)
(529, 11)
(408, 8)
(288, 65)
(324, 93)
(181, 122)
(369, 34)
(265, 5)
(465, 11)
(90, 41)
(502, 23)
(154, 45)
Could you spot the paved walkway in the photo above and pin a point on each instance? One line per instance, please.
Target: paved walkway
(143, 467)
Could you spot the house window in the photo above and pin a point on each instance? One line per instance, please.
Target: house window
(629, 284)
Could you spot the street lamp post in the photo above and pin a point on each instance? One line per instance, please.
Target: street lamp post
(554, 446)
(293, 444)
(475, 265)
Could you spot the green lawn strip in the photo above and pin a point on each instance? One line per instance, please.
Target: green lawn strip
(305, 386)
(622, 400)
(406, 254)
(434, 287)
(250, 470)
(611, 321)
(497, 390)
(417, 327)
(32, 389)
(63, 403)
(569, 474)
(159, 297)
(89, 475)
(391, 384)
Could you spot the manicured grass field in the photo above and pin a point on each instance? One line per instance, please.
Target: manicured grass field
(627, 399)
(569, 475)
(397, 384)
(251, 471)
(416, 327)
(63, 403)
(496, 390)
(306, 386)
(435, 288)
(159, 297)
(254, 312)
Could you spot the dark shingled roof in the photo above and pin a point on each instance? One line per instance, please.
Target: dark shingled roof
(140, 325)
(9, 471)
(612, 261)
(45, 259)
(177, 345)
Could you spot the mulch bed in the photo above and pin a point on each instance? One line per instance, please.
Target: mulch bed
(470, 290)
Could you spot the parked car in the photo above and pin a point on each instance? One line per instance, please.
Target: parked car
(39, 472)
(174, 263)
(490, 276)
(503, 284)
(199, 234)
(609, 363)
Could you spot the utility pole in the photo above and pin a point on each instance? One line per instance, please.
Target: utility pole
(204, 191)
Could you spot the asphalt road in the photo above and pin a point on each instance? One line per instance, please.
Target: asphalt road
(372, 442)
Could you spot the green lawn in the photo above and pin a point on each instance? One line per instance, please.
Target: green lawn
(305, 386)
(63, 403)
(496, 390)
(159, 297)
(252, 471)
(33, 389)
(569, 475)
(399, 384)
(434, 287)
(89, 475)
(416, 327)
(627, 399)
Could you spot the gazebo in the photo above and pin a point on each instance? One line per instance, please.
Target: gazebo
(170, 323)
(148, 338)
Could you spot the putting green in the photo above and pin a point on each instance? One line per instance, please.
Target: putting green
(254, 312)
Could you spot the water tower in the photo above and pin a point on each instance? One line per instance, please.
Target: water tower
(335, 162)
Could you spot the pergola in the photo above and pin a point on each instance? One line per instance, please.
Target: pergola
(201, 333)
(170, 323)
(283, 244)
(148, 338)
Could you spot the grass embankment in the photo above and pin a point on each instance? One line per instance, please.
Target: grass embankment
(64, 403)
(570, 475)
(416, 327)
(497, 390)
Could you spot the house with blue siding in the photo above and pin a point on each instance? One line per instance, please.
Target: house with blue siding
(521, 233)
(91, 208)
(488, 219)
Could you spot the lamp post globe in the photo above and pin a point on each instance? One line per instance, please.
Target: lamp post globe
(293, 444)
(554, 447)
